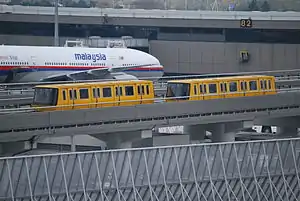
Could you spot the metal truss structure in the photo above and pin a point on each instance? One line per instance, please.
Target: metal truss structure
(256, 170)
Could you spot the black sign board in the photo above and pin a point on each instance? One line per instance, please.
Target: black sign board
(246, 23)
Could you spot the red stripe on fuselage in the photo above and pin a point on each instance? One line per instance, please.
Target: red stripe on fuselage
(73, 67)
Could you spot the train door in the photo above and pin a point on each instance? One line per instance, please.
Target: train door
(119, 95)
(64, 100)
(212, 90)
(95, 96)
(141, 93)
(83, 98)
(244, 85)
(223, 89)
(147, 93)
(194, 93)
(271, 86)
(263, 85)
(108, 96)
(72, 98)
(203, 91)
(130, 95)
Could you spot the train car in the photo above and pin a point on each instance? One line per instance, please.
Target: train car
(92, 95)
(222, 87)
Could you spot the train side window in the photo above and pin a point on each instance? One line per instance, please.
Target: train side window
(269, 84)
(84, 93)
(143, 89)
(212, 88)
(129, 91)
(232, 86)
(64, 95)
(147, 90)
(106, 92)
(253, 85)
(195, 90)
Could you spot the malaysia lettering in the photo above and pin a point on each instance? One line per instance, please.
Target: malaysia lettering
(93, 57)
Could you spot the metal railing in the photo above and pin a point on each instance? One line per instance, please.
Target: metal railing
(279, 74)
(255, 170)
(184, 10)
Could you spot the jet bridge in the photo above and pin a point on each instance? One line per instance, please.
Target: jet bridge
(256, 170)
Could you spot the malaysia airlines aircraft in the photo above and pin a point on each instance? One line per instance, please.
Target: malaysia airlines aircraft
(39, 63)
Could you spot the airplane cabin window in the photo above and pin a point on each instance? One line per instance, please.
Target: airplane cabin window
(129, 91)
(106, 92)
(83, 93)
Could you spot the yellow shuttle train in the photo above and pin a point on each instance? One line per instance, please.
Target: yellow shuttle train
(92, 95)
(134, 92)
(224, 87)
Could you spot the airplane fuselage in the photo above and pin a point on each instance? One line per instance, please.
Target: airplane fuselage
(34, 63)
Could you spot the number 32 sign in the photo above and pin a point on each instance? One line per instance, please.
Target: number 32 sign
(246, 23)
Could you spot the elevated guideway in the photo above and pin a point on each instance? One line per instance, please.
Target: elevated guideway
(23, 124)
(257, 170)
(21, 94)
(155, 18)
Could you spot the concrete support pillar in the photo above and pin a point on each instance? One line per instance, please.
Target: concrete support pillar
(113, 142)
(225, 132)
(123, 139)
(196, 132)
(73, 144)
(286, 131)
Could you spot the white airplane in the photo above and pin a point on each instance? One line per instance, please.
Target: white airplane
(39, 63)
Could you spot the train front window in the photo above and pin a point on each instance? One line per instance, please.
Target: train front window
(178, 90)
(45, 96)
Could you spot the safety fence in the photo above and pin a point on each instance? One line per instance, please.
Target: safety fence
(256, 170)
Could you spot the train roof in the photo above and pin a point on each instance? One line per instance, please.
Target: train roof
(247, 77)
(85, 84)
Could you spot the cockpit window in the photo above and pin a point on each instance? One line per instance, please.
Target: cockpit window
(178, 90)
(45, 96)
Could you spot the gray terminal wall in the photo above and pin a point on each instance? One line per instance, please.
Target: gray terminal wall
(220, 57)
